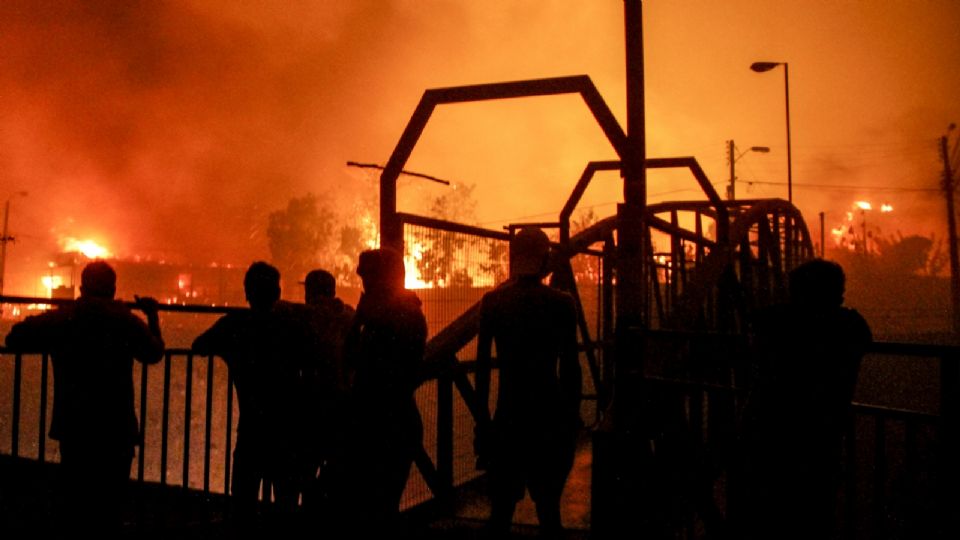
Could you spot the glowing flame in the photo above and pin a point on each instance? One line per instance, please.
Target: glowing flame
(412, 279)
(846, 235)
(369, 230)
(51, 282)
(90, 248)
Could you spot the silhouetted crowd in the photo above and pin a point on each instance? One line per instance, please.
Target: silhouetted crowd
(329, 427)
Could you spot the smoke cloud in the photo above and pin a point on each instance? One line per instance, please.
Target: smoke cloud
(172, 129)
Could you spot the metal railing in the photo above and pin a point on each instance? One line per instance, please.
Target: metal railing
(899, 474)
(898, 462)
(187, 411)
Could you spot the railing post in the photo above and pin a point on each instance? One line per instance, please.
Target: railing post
(850, 488)
(949, 417)
(609, 253)
(141, 458)
(187, 423)
(445, 435)
(15, 420)
(879, 479)
(165, 419)
(208, 426)
(229, 431)
(42, 433)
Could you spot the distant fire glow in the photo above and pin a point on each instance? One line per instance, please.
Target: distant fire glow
(90, 248)
(51, 282)
(853, 234)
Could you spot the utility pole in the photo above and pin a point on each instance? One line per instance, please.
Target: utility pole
(3, 250)
(733, 157)
(5, 239)
(952, 231)
(731, 193)
(823, 245)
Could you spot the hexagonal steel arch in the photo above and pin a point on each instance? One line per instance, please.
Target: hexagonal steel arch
(391, 230)
(654, 163)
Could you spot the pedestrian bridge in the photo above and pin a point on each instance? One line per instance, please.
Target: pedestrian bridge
(896, 473)
(663, 292)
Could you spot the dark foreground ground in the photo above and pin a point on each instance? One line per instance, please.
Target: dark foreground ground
(161, 513)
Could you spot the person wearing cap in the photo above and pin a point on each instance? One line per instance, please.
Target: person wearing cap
(93, 342)
(530, 441)
(384, 353)
(324, 383)
(331, 318)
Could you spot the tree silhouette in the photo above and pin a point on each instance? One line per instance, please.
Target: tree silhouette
(910, 255)
(441, 260)
(300, 235)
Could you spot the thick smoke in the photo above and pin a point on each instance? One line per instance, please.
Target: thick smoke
(172, 129)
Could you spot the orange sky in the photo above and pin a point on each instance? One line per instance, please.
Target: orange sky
(172, 130)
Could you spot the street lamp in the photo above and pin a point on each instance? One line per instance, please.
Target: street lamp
(731, 151)
(6, 238)
(761, 67)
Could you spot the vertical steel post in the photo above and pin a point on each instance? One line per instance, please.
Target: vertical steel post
(948, 189)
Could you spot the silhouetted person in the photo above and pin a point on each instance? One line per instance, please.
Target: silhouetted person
(531, 441)
(324, 385)
(809, 352)
(93, 342)
(263, 348)
(332, 318)
(385, 353)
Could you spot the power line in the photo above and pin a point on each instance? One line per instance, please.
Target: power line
(846, 187)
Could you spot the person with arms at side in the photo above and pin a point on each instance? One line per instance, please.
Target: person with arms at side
(93, 343)
(324, 384)
(531, 440)
(384, 353)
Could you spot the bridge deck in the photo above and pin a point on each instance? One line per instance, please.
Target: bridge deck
(171, 513)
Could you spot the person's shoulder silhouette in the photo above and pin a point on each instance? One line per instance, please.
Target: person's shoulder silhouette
(808, 354)
(812, 340)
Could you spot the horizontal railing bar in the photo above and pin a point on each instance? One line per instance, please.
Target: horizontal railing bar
(450, 226)
(895, 413)
(187, 308)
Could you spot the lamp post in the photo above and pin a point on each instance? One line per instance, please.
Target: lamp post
(6, 238)
(761, 67)
(732, 157)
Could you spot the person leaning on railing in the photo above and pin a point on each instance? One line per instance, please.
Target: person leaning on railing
(93, 342)
(263, 347)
